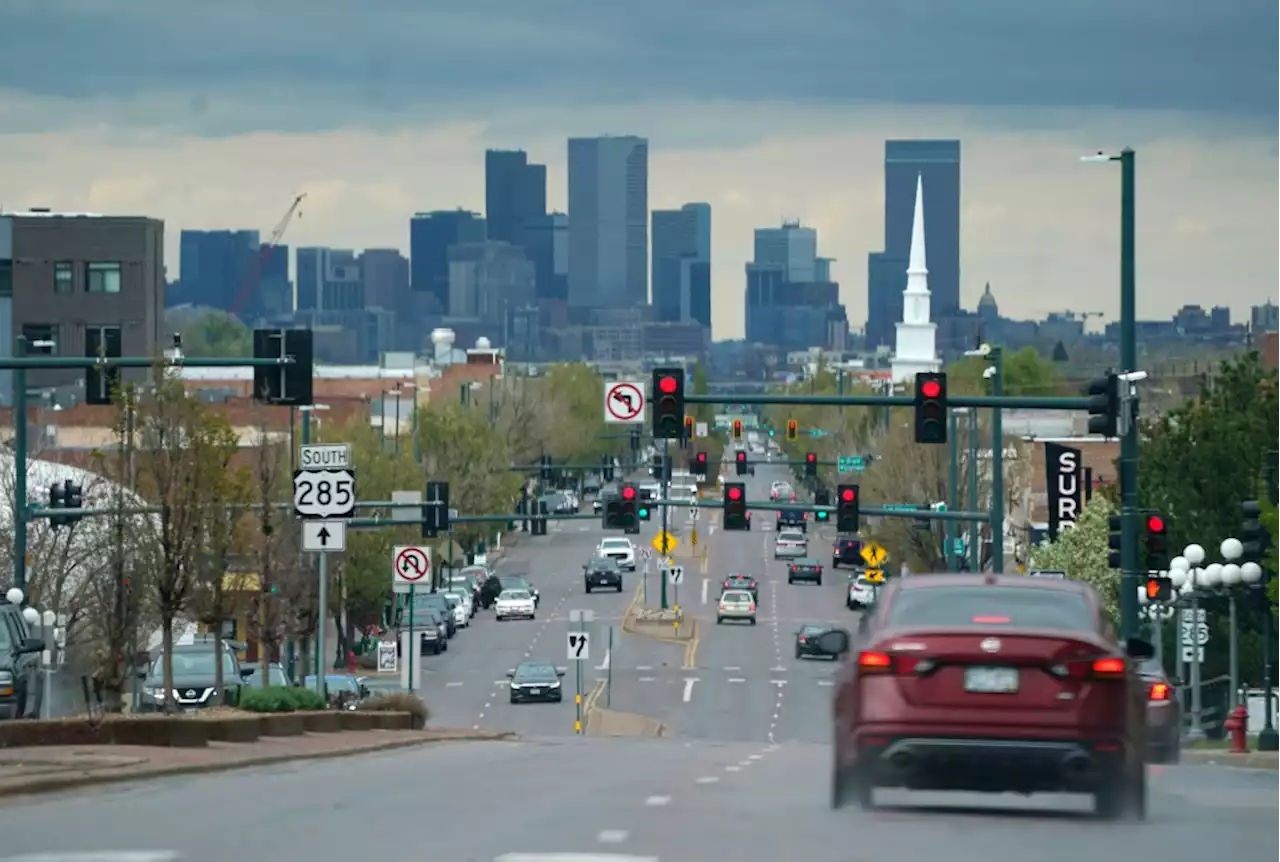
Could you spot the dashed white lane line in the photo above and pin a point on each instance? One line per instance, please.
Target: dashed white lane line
(755, 757)
(708, 779)
(452, 684)
(657, 801)
(612, 836)
(732, 768)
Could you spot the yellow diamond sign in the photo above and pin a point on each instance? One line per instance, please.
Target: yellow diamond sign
(664, 543)
(875, 576)
(874, 554)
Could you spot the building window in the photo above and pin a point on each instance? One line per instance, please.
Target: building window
(42, 338)
(103, 278)
(64, 277)
(6, 278)
(102, 341)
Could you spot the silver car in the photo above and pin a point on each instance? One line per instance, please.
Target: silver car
(738, 605)
(790, 544)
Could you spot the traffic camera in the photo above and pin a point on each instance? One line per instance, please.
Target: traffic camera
(1104, 405)
(668, 405)
(811, 464)
(931, 408)
(735, 506)
(628, 518)
(740, 460)
(847, 508)
(1157, 544)
(737, 429)
(793, 430)
(1114, 539)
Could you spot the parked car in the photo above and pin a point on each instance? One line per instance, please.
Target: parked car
(195, 678)
(19, 663)
(1164, 714)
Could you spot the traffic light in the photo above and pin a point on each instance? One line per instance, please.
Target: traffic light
(606, 468)
(1156, 540)
(611, 513)
(635, 441)
(847, 508)
(101, 384)
(668, 403)
(544, 468)
(735, 506)
(656, 470)
(1104, 405)
(931, 408)
(627, 517)
(688, 428)
(793, 430)
(699, 464)
(810, 464)
(642, 509)
(821, 498)
(1114, 534)
(65, 495)
(288, 385)
(1159, 589)
(435, 510)
(1252, 534)
(737, 429)
(741, 463)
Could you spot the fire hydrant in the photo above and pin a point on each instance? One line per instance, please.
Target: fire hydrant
(1237, 724)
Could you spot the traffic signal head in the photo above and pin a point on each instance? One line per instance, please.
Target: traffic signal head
(668, 403)
(1159, 589)
(810, 464)
(700, 464)
(1252, 535)
(688, 427)
(628, 518)
(793, 430)
(1113, 541)
(1157, 546)
(290, 384)
(735, 506)
(847, 508)
(821, 498)
(737, 429)
(931, 408)
(1104, 405)
(741, 462)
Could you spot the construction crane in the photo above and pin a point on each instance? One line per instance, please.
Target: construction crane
(264, 256)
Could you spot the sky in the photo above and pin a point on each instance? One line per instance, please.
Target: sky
(215, 115)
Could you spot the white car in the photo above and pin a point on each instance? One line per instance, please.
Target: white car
(463, 606)
(737, 605)
(619, 549)
(514, 603)
(778, 490)
(862, 594)
(790, 544)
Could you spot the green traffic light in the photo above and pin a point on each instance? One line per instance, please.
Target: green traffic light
(770, 432)
(822, 516)
(644, 513)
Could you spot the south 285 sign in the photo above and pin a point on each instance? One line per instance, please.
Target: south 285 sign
(324, 493)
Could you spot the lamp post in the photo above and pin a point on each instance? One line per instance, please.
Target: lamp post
(994, 372)
(1185, 572)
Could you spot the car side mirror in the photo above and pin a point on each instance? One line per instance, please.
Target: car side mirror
(246, 672)
(511, 674)
(1139, 649)
(364, 691)
(31, 645)
(559, 671)
(835, 641)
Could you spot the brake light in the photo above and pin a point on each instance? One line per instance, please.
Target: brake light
(875, 662)
(1102, 668)
(726, 585)
(871, 662)
(752, 607)
(991, 621)
(1159, 691)
(803, 639)
(1110, 667)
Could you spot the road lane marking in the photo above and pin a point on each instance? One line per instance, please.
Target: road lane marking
(604, 665)
(706, 585)
(644, 667)
(732, 667)
(736, 679)
(709, 779)
(657, 801)
(755, 757)
(825, 683)
(688, 688)
(733, 769)
(452, 684)
(97, 856)
(612, 836)
(646, 679)
(572, 857)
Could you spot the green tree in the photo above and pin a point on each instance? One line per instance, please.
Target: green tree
(1269, 563)
(558, 413)
(216, 333)
(1082, 553)
(1025, 373)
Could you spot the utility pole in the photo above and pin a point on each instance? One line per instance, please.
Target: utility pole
(666, 461)
(1129, 436)
(997, 464)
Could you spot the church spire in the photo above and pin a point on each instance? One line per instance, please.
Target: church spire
(916, 263)
(916, 348)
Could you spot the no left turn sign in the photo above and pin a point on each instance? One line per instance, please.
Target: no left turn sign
(624, 401)
(410, 565)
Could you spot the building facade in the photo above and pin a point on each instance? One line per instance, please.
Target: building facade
(515, 193)
(430, 235)
(681, 269)
(608, 222)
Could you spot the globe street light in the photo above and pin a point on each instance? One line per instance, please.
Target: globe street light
(1192, 577)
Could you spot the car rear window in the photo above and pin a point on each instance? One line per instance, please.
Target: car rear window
(1017, 607)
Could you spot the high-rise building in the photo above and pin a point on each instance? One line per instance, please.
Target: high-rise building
(791, 301)
(430, 235)
(681, 269)
(937, 162)
(385, 273)
(547, 245)
(515, 192)
(792, 246)
(213, 265)
(329, 279)
(608, 222)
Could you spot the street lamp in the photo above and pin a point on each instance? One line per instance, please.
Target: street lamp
(995, 373)
(1186, 573)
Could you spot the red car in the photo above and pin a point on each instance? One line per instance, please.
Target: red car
(990, 684)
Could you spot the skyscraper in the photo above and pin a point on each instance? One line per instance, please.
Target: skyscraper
(937, 162)
(682, 264)
(213, 264)
(430, 235)
(515, 192)
(608, 222)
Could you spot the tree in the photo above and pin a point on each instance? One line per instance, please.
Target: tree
(182, 448)
(1082, 553)
(558, 413)
(1025, 373)
(216, 333)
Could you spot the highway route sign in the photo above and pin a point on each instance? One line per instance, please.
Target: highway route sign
(664, 543)
(675, 575)
(324, 486)
(410, 566)
(874, 554)
(875, 576)
(579, 646)
(386, 656)
(624, 401)
(324, 537)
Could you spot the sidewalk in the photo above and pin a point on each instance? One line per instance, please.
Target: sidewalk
(1221, 757)
(47, 769)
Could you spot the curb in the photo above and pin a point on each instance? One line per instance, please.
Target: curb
(1255, 760)
(90, 779)
(630, 627)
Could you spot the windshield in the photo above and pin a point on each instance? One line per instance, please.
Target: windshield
(335, 682)
(1018, 607)
(604, 563)
(514, 595)
(200, 663)
(535, 671)
(452, 599)
(616, 544)
(790, 536)
(735, 598)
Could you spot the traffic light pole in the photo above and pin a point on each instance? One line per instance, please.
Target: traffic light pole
(1129, 439)
(996, 358)
(20, 363)
(666, 487)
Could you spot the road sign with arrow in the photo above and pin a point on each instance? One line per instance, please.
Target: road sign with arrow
(324, 537)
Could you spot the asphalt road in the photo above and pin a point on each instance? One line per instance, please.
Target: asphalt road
(609, 800)
(738, 682)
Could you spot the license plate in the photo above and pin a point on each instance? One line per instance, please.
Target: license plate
(991, 680)
(535, 691)
(191, 709)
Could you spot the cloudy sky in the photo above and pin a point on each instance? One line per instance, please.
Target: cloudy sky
(215, 114)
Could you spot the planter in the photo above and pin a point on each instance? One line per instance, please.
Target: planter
(245, 728)
(21, 734)
(358, 720)
(393, 720)
(282, 724)
(417, 722)
(165, 730)
(321, 722)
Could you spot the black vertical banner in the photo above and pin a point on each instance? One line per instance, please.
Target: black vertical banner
(1088, 485)
(1063, 474)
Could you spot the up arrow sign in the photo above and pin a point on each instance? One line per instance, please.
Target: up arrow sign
(324, 537)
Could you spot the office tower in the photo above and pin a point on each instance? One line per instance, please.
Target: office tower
(608, 222)
(546, 242)
(515, 192)
(792, 247)
(937, 163)
(682, 264)
(430, 235)
(791, 301)
(213, 265)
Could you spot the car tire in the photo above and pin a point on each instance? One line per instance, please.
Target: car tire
(588, 589)
(835, 564)
(789, 581)
(719, 620)
(819, 581)
(619, 586)
(798, 653)
(753, 620)
(444, 647)
(513, 698)
(533, 616)
(1124, 798)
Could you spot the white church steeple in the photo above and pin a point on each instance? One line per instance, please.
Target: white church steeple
(916, 348)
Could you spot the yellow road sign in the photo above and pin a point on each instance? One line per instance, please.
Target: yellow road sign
(693, 538)
(874, 554)
(664, 543)
(875, 576)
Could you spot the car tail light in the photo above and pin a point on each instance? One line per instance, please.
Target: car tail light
(726, 585)
(752, 607)
(874, 662)
(1101, 668)
(803, 639)
(1159, 691)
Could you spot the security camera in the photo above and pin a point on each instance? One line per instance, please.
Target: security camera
(988, 373)
(1133, 376)
(983, 350)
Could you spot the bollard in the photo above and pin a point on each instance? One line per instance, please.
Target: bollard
(1237, 724)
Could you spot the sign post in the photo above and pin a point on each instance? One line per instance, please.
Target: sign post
(410, 565)
(578, 651)
(324, 496)
(624, 401)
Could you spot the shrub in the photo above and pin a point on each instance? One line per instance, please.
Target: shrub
(280, 698)
(397, 701)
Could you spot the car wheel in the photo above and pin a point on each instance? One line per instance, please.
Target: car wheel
(444, 647)
(1125, 798)
(797, 653)
(619, 586)
(819, 582)
(588, 589)
(790, 581)
(753, 620)
(513, 698)
(719, 620)
(533, 616)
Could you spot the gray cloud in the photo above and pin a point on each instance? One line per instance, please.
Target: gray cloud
(235, 65)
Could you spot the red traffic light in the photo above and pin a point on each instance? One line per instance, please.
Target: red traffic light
(702, 457)
(1153, 588)
(930, 389)
(742, 456)
(735, 493)
(1155, 524)
(847, 495)
(628, 493)
(668, 385)
(811, 457)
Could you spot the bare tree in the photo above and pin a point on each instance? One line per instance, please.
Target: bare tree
(223, 538)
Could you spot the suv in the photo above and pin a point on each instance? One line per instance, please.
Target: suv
(432, 602)
(195, 678)
(495, 584)
(602, 572)
(19, 662)
(797, 519)
(847, 551)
